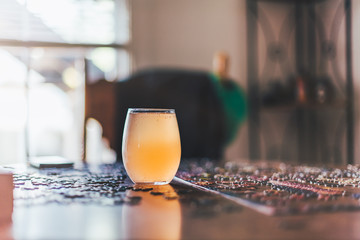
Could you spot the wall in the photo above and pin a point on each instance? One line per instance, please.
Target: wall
(187, 33)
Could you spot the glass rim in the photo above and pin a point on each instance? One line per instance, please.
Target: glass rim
(150, 110)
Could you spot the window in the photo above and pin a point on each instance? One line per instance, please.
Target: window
(44, 46)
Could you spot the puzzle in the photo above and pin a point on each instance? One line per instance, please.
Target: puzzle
(277, 188)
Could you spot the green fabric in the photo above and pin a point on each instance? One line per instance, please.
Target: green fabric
(233, 99)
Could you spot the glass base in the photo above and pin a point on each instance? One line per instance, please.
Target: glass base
(152, 183)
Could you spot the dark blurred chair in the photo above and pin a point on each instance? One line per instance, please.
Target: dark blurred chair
(100, 104)
(190, 93)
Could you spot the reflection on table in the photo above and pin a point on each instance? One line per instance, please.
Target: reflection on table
(155, 217)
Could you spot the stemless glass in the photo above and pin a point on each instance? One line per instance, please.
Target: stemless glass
(151, 147)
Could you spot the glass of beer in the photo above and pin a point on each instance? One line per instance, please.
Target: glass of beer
(151, 147)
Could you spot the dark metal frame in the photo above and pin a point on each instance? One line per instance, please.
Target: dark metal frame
(253, 79)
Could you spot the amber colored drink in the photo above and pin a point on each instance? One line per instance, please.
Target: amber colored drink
(151, 145)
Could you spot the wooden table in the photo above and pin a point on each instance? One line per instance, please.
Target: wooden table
(193, 215)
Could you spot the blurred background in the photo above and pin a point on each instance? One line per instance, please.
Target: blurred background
(69, 68)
